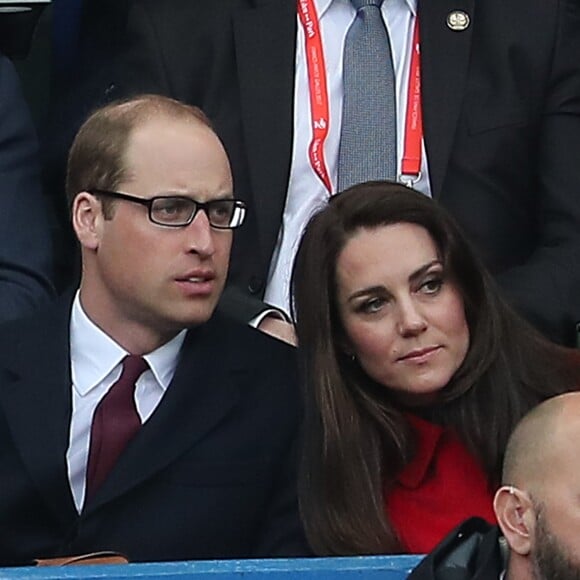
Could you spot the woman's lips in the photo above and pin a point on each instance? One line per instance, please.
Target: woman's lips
(420, 355)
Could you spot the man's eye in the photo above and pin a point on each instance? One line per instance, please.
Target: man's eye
(221, 212)
(172, 209)
(169, 207)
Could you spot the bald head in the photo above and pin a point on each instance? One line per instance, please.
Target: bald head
(540, 440)
(537, 507)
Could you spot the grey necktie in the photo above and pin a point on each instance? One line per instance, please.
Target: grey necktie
(368, 137)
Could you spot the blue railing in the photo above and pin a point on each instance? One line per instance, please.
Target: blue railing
(358, 568)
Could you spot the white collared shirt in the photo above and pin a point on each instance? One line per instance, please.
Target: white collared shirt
(306, 193)
(95, 366)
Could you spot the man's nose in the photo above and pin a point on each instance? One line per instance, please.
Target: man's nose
(200, 235)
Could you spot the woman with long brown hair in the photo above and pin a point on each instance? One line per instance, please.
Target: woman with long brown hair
(416, 372)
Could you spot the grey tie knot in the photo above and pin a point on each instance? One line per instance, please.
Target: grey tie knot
(358, 4)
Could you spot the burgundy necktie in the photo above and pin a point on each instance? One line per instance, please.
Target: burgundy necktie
(115, 423)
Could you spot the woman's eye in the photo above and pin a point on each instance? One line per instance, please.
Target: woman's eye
(431, 286)
(372, 305)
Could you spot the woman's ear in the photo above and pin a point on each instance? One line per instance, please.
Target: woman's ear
(344, 346)
(516, 517)
(87, 218)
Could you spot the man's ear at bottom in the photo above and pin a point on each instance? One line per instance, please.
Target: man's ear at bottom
(516, 517)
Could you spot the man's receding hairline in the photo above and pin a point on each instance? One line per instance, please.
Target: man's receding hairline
(97, 158)
(152, 107)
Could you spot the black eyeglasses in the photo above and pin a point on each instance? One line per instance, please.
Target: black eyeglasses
(176, 211)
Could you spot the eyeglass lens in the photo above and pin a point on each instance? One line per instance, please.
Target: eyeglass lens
(176, 211)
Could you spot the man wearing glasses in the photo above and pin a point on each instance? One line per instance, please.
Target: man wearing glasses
(133, 418)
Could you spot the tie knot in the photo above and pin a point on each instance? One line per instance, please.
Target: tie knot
(133, 368)
(358, 4)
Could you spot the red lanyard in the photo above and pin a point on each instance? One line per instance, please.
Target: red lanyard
(317, 88)
(411, 163)
(319, 104)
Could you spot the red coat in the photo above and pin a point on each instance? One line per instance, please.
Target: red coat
(443, 486)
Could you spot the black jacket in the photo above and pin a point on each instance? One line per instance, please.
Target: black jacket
(472, 551)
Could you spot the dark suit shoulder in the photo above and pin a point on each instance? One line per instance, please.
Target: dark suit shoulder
(44, 322)
(39, 337)
(254, 344)
(264, 369)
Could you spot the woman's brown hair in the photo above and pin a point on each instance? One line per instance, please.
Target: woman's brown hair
(356, 437)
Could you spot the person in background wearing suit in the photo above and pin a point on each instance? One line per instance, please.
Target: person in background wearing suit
(132, 417)
(538, 537)
(25, 244)
(498, 145)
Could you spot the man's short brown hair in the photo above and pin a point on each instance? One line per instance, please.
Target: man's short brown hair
(97, 157)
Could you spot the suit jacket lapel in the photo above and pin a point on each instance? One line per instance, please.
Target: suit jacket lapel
(35, 391)
(265, 38)
(202, 392)
(444, 60)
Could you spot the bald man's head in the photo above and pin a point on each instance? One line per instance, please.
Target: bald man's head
(538, 507)
(538, 438)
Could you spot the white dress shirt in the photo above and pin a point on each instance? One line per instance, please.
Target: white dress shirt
(95, 366)
(306, 193)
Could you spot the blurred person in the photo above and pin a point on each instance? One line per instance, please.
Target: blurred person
(132, 417)
(538, 537)
(26, 256)
(416, 373)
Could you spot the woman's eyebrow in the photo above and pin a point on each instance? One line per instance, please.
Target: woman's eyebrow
(419, 273)
(370, 290)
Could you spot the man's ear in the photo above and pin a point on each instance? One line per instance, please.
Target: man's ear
(516, 517)
(87, 218)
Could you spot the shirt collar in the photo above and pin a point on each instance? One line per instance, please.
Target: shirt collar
(412, 5)
(323, 5)
(94, 354)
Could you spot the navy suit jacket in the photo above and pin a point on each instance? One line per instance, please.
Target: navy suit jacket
(501, 105)
(210, 475)
(25, 244)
